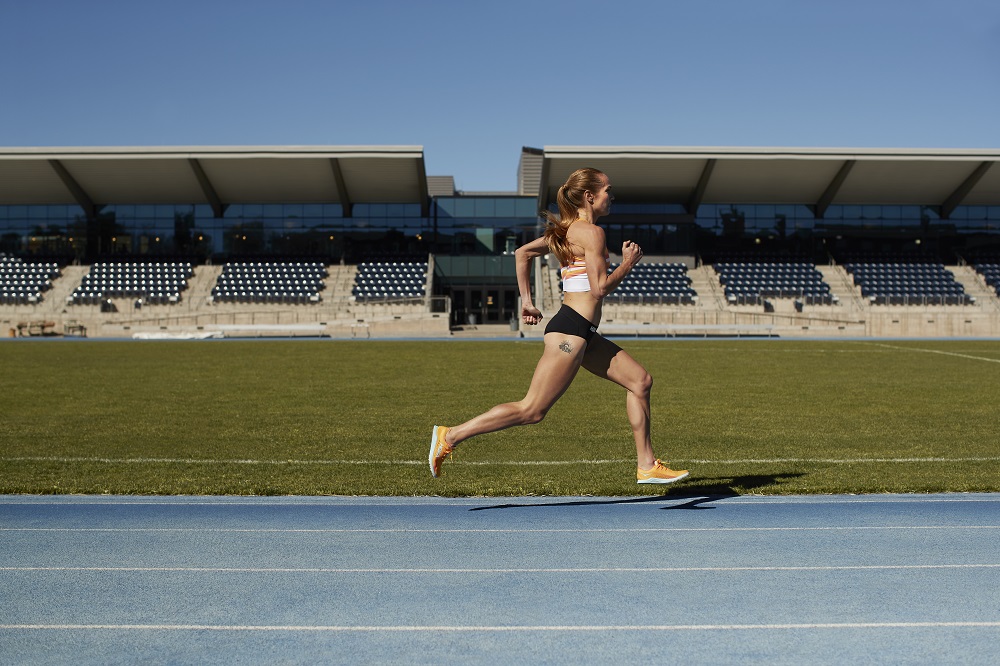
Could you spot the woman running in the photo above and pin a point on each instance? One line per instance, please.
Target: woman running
(571, 338)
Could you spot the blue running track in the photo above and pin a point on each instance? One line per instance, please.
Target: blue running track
(663, 579)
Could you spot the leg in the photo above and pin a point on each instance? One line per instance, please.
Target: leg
(609, 361)
(554, 373)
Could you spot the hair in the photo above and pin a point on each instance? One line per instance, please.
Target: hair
(570, 198)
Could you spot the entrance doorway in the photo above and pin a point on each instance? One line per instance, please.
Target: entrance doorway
(482, 304)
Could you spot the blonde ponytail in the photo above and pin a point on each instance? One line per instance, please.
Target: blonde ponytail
(570, 199)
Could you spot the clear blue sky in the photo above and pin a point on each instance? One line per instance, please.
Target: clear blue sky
(475, 81)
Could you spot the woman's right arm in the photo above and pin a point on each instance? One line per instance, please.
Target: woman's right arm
(523, 257)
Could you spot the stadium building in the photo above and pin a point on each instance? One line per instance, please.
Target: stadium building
(358, 241)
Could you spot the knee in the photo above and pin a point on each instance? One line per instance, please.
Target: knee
(531, 415)
(644, 385)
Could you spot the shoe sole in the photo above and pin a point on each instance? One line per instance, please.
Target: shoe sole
(430, 456)
(657, 480)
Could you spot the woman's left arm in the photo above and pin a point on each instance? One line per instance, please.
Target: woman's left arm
(595, 253)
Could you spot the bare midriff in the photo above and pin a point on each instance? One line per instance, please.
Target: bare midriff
(585, 304)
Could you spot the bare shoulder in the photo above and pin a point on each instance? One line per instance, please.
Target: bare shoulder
(589, 236)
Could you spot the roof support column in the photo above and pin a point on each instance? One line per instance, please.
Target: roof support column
(955, 199)
(699, 190)
(342, 194)
(820, 207)
(425, 196)
(218, 208)
(543, 190)
(82, 198)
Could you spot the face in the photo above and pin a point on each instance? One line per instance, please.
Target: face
(603, 197)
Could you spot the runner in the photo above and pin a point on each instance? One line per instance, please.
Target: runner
(571, 338)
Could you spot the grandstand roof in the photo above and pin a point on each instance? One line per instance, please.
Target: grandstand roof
(817, 177)
(92, 177)
(218, 176)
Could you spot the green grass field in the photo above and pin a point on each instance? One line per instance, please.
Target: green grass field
(354, 418)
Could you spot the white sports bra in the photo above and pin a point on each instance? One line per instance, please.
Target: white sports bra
(574, 275)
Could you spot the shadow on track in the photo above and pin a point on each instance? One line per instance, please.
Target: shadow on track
(704, 492)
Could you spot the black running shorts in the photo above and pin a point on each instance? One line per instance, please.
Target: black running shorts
(571, 322)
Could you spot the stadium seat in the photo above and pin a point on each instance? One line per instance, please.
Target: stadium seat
(389, 280)
(916, 282)
(155, 283)
(655, 283)
(751, 282)
(281, 282)
(23, 283)
(990, 272)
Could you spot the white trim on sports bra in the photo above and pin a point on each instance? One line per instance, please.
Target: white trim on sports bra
(574, 276)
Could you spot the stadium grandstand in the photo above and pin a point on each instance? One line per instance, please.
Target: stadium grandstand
(358, 241)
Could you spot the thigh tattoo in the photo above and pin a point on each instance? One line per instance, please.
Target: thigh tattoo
(566, 347)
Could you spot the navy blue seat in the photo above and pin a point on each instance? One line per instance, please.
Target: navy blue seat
(656, 283)
(22, 282)
(906, 283)
(750, 282)
(154, 283)
(390, 280)
(990, 271)
(275, 282)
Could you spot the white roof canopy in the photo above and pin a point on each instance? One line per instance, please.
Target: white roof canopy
(818, 178)
(217, 176)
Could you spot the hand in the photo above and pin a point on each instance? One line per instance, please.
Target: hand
(631, 253)
(530, 315)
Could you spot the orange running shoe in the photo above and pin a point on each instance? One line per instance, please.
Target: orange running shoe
(659, 473)
(440, 450)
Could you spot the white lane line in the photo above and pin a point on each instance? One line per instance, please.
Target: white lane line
(936, 351)
(501, 628)
(488, 463)
(507, 570)
(486, 530)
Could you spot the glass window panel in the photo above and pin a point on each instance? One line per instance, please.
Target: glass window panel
(871, 212)
(976, 212)
(273, 210)
(485, 207)
(465, 208)
(526, 207)
(446, 206)
(252, 211)
(506, 208)
(145, 212)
